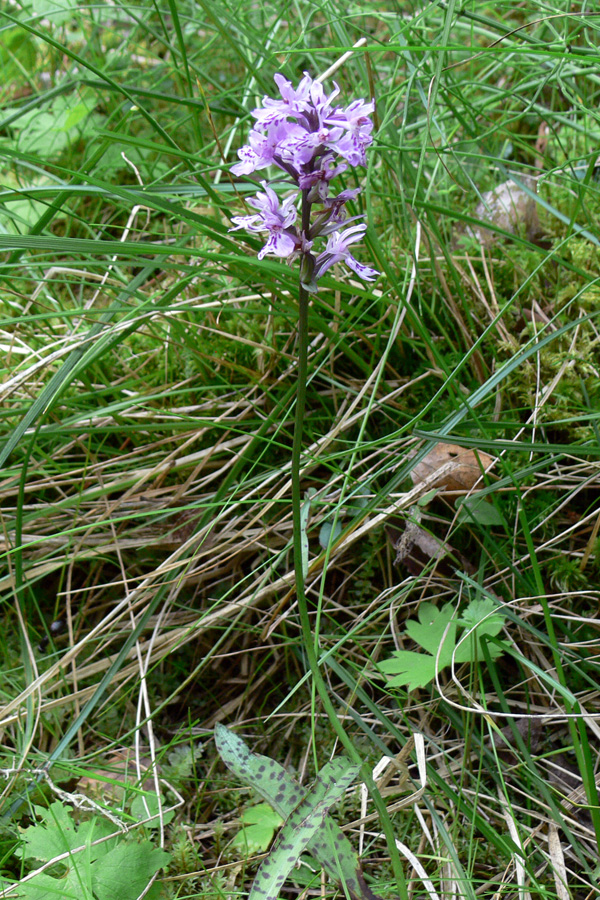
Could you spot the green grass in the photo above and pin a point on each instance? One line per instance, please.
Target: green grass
(147, 391)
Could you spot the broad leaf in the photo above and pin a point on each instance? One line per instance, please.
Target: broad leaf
(478, 509)
(125, 872)
(117, 868)
(43, 887)
(57, 833)
(434, 625)
(259, 825)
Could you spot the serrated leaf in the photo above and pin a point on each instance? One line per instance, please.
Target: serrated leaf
(57, 833)
(126, 870)
(406, 667)
(301, 826)
(44, 887)
(484, 615)
(260, 823)
(484, 618)
(330, 847)
(114, 868)
(182, 762)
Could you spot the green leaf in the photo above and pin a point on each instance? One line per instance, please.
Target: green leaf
(426, 499)
(484, 615)
(115, 868)
(329, 846)
(478, 509)
(126, 870)
(260, 823)
(436, 632)
(57, 10)
(434, 626)
(484, 618)
(408, 668)
(182, 761)
(17, 55)
(301, 826)
(329, 533)
(44, 887)
(146, 804)
(57, 833)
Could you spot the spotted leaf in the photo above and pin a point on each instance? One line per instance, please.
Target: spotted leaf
(328, 844)
(301, 826)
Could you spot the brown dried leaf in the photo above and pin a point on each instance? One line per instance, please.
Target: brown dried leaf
(561, 880)
(459, 468)
(416, 548)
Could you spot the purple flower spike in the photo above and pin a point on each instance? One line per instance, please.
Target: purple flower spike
(319, 127)
(312, 140)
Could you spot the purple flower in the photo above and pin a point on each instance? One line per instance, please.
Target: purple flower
(308, 102)
(317, 181)
(263, 148)
(337, 251)
(313, 141)
(274, 217)
(319, 128)
(357, 127)
(335, 206)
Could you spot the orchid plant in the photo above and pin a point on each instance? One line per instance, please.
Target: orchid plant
(311, 139)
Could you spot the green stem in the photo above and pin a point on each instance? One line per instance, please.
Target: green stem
(310, 640)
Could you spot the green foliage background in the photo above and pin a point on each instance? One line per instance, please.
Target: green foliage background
(147, 390)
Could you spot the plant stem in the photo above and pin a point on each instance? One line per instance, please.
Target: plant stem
(310, 641)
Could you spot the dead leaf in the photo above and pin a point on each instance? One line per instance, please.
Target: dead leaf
(458, 468)
(555, 851)
(417, 549)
